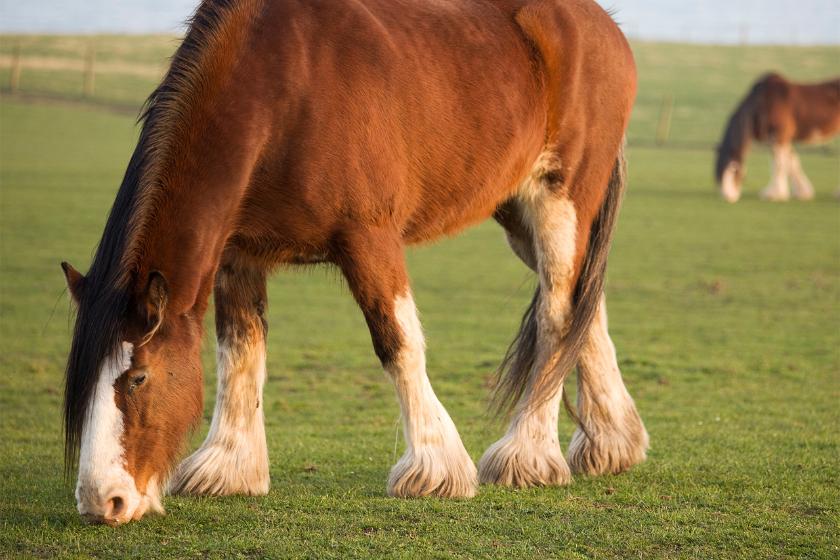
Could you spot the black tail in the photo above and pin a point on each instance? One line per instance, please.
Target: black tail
(743, 126)
(515, 373)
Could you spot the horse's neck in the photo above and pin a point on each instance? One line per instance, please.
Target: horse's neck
(187, 222)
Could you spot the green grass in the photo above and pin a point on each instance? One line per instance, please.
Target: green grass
(725, 319)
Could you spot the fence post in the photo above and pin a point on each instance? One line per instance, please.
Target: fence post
(90, 61)
(665, 118)
(14, 79)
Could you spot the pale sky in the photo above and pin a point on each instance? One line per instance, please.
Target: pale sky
(706, 21)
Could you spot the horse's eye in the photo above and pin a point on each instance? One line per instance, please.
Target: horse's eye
(139, 378)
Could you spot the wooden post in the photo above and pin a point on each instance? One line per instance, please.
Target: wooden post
(665, 118)
(14, 79)
(90, 70)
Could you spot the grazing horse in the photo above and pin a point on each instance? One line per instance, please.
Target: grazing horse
(777, 112)
(340, 131)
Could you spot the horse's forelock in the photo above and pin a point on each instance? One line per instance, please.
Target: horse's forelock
(97, 336)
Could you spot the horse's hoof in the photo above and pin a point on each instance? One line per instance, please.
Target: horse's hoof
(214, 471)
(445, 472)
(521, 463)
(609, 449)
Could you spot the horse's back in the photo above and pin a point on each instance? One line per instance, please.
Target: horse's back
(801, 112)
(817, 111)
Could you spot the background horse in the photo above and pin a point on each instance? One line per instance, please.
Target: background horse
(339, 131)
(777, 112)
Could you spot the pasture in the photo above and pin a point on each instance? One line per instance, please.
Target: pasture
(725, 320)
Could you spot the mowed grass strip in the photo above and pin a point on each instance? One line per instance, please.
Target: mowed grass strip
(724, 318)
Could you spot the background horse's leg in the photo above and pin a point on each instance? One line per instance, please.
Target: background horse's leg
(542, 231)
(615, 438)
(435, 461)
(234, 459)
(802, 187)
(778, 189)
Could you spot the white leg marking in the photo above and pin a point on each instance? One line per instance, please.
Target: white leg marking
(802, 187)
(435, 461)
(529, 454)
(105, 490)
(778, 189)
(234, 457)
(619, 439)
(730, 187)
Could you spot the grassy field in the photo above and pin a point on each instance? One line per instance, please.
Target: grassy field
(725, 319)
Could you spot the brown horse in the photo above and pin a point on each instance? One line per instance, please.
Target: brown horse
(296, 132)
(777, 112)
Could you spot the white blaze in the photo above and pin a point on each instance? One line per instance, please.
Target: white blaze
(102, 474)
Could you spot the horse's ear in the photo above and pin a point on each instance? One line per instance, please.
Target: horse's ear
(157, 296)
(75, 282)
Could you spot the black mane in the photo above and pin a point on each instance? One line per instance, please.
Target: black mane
(101, 316)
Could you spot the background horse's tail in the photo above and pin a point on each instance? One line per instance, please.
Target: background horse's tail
(515, 372)
(744, 125)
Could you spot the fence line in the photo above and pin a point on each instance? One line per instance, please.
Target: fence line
(57, 64)
(14, 79)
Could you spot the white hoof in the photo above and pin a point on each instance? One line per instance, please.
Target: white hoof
(523, 463)
(611, 448)
(446, 472)
(216, 469)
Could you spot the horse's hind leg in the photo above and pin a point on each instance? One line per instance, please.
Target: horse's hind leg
(615, 438)
(542, 231)
(778, 190)
(435, 461)
(802, 187)
(234, 459)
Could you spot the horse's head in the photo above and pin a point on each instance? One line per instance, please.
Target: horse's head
(134, 388)
(729, 173)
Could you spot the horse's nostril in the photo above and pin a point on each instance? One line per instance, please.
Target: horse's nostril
(117, 507)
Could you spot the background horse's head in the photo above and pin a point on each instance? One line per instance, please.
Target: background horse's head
(134, 388)
(746, 124)
(729, 172)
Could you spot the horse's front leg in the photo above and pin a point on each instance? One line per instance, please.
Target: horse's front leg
(234, 459)
(778, 190)
(435, 462)
(802, 187)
